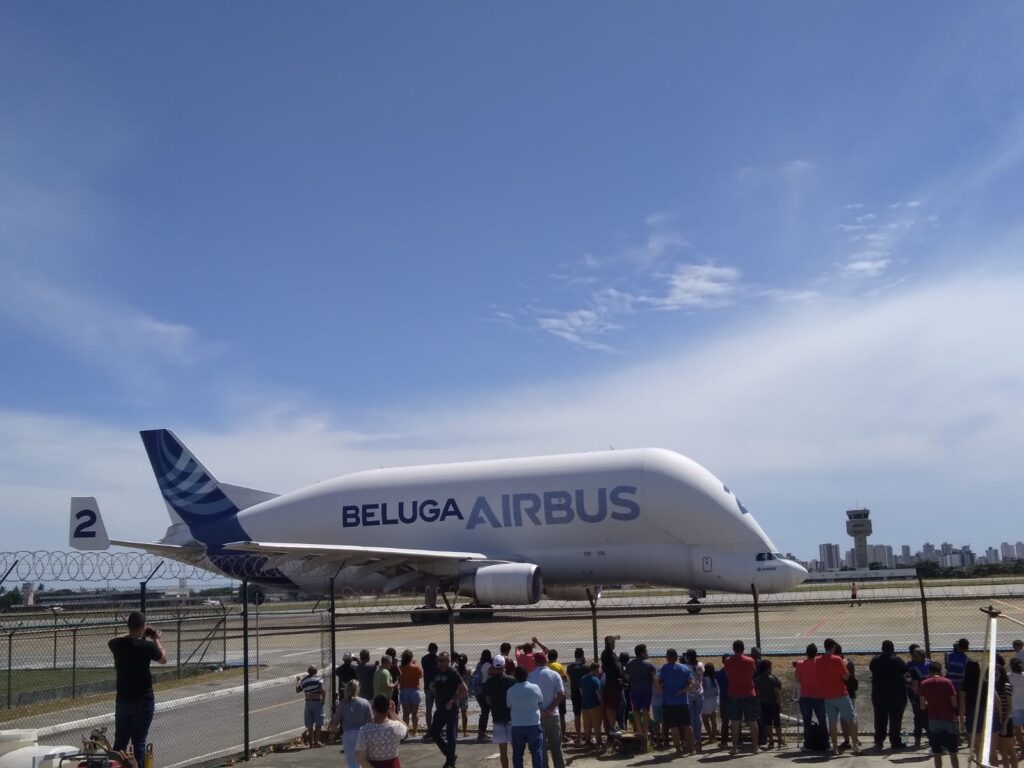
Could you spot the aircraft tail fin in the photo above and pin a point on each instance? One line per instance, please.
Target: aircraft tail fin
(86, 530)
(192, 494)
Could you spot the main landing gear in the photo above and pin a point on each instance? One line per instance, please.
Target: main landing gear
(693, 605)
(432, 613)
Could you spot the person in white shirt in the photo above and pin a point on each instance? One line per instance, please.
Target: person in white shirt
(377, 743)
(524, 700)
(552, 691)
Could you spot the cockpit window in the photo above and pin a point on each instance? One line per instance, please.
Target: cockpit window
(779, 556)
(742, 508)
(762, 556)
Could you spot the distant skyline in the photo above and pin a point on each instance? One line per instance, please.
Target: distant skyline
(783, 240)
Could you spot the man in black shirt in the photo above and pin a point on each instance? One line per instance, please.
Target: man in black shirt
(429, 666)
(888, 695)
(495, 689)
(364, 674)
(134, 704)
(449, 689)
(612, 670)
(346, 671)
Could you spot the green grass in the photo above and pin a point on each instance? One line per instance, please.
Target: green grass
(24, 680)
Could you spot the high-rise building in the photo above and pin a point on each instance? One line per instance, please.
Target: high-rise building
(967, 555)
(928, 553)
(1019, 547)
(881, 554)
(991, 555)
(828, 554)
(859, 527)
(850, 559)
(905, 550)
(952, 560)
(1007, 551)
(946, 548)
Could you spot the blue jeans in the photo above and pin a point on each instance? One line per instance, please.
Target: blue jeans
(524, 736)
(348, 740)
(445, 720)
(132, 718)
(815, 707)
(696, 702)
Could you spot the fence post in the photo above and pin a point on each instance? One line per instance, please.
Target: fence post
(143, 585)
(177, 642)
(334, 647)
(224, 637)
(924, 617)
(451, 623)
(245, 669)
(593, 620)
(74, 660)
(10, 654)
(757, 616)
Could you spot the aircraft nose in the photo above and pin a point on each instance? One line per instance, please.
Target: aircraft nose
(793, 576)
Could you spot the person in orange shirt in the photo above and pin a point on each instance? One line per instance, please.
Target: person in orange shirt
(831, 675)
(409, 675)
(811, 701)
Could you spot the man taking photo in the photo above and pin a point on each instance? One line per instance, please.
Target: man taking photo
(134, 705)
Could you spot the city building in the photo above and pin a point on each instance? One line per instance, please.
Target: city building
(1020, 550)
(991, 555)
(828, 554)
(1007, 551)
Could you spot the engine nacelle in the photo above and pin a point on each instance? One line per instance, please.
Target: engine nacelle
(504, 584)
(571, 592)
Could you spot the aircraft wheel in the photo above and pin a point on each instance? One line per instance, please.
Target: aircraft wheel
(693, 605)
(427, 615)
(476, 612)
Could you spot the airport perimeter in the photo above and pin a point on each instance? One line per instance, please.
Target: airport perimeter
(229, 685)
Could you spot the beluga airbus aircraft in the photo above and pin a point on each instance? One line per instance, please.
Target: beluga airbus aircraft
(502, 532)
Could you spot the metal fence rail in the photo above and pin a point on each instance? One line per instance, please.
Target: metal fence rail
(229, 684)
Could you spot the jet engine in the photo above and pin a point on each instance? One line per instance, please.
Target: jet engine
(571, 592)
(503, 584)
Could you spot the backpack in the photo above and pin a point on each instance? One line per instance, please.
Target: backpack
(816, 738)
(476, 682)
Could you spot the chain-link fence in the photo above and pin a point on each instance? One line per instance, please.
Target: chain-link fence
(232, 664)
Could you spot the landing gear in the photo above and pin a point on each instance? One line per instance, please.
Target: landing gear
(427, 615)
(693, 605)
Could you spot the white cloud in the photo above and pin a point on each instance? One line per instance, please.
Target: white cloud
(806, 408)
(865, 267)
(698, 286)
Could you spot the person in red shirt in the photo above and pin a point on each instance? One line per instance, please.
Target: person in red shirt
(831, 673)
(939, 700)
(811, 701)
(743, 705)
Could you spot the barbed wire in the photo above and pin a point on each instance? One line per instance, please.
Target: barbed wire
(57, 566)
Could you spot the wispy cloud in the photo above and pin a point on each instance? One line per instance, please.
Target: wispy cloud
(698, 286)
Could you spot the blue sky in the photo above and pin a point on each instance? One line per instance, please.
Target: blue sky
(311, 238)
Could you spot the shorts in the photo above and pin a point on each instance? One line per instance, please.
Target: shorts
(409, 697)
(840, 708)
(502, 733)
(710, 706)
(942, 735)
(641, 701)
(577, 703)
(676, 715)
(744, 708)
(313, 715)
(592, 718)
(770, 714)
(1018, 716)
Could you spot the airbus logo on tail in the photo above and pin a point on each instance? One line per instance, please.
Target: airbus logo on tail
(514, 510)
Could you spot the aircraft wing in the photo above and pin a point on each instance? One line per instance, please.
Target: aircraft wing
(175, 551)
(350, 555)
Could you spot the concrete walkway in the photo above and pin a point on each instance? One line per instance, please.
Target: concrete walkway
(417, 754)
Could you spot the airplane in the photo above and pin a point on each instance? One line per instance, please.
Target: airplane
(501, 532)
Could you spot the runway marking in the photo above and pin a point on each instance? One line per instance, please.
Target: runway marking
(1010, 605)
(236, 748)
(273, 706)
(820, 624)
(166, 706)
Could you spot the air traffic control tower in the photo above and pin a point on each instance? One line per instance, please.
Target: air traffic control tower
(859, 526)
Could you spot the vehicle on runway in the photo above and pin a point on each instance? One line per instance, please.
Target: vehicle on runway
(502, 532)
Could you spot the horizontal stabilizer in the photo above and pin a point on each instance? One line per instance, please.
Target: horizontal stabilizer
(351, 555)
(86, 531)
(176, 551)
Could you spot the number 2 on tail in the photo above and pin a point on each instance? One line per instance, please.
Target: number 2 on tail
(83, 530)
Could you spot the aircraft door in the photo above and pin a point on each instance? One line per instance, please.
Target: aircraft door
(706, 564)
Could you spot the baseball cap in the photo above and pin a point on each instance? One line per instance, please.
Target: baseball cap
(498, 661)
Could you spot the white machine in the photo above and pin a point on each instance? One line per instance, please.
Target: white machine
(503, 532)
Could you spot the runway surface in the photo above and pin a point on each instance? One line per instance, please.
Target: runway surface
(202, 718)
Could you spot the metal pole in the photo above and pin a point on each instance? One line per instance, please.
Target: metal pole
(245, 669)
(143, 585)
(74, 660)
(757, 616)
(451, 625)
(10, 651)
(177, 642)
(334, 647)
(55, 639)
(224, 636)
(4, 578)
(924, 617)
(990, 673)
(258, 638)
(593, 620)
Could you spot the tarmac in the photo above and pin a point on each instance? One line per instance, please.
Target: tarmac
(471, 754)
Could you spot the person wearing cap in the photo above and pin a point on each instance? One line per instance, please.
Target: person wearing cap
(553, 692)
(495, 692)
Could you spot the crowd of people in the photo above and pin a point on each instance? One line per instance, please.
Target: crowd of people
(524, 694)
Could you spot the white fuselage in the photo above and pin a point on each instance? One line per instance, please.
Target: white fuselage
(635, 516)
